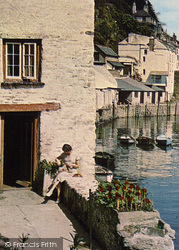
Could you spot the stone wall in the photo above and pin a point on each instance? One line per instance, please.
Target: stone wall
(170, 109)
(119, 230)
(66, 30)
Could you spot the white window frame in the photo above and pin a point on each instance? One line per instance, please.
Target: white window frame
(35, 50)
(20, 66)
(21, 60)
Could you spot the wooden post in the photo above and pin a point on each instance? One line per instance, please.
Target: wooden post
(90, 216)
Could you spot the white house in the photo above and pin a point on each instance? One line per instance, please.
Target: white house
(156, 62)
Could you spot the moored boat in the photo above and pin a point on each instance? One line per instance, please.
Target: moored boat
(104, 159)
(126, 139)
(163, 140)
(143, 140)
(103, 174)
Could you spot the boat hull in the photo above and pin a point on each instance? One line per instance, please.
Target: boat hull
(104, 159)
(145, 141)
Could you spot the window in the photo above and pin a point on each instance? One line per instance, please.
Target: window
(143, 58)
(145, 51)
(22, 60)
(136, 94)
(148, 94)
(143, 71)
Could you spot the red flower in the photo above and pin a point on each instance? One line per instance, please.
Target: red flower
(115, 182)
(109, 187)
(131, 186)
(144, 190)
(130, 198)
(147, 201)
(124, 188)
(137, 187)
(127, 183)
(138, 193)
(121, 198)
(109, 195)
(130, 191)
(117, 187)
(101, 189)
(117, 195)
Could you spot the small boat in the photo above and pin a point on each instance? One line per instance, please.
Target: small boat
(163, 140)
(103, 174)
(126, 139)
(104, 159)
(143, 140)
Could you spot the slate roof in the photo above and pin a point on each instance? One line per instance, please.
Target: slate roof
(129, 84)
(142, 13)
(116, 64)
(107, 51)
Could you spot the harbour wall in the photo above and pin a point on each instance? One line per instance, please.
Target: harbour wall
(118, 230)
(141, 110)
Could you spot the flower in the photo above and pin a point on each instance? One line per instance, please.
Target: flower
(101, 189)
(147, 201)
(137, 187)
(109, 195)
(130, 198)
(109, 187)
(117, 187)
(138, 193)
(117, 195)
(131, 186)
(144, 190)
(127, 183)
(121, 198)
(130, 191)
(124, 188)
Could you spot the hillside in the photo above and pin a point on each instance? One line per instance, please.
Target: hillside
(114, 20)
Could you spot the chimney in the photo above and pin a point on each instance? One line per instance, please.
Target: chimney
(174, 37)
(146, 7)
(151, 44)
(134, 8)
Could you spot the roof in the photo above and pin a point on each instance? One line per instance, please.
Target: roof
(129, 84)
(107, 51)
(157, 88)
(116, 64)
(103, 78)
(159, 73)
(142, 13)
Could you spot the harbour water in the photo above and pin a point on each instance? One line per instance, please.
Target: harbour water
(155, 168)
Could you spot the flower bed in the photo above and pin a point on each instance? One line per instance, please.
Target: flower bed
(124, 196)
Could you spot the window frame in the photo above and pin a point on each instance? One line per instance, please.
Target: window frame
(37, 60)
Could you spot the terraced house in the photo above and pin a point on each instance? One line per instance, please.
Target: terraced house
(47, 93)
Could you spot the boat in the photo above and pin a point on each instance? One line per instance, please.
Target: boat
(104, 159)
(163, 140)
(143, 140)
(126, 139)
(103, 174)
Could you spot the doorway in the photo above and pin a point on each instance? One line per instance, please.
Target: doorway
(19, 148)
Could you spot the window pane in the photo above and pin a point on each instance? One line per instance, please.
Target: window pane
(16, 70)
(9, 60)
(26, 60)
(26, 73)
(9, 71)
(31, 71)
(32, 60)
(32, 49)
(16, 49)
(26, 49)
(9, 48)
(16, 60)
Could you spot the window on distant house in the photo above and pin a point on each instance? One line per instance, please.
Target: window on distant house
(143, 71)
(148, 94)
(22, 60)
(136, 94)
(145, 51)
(143, 58)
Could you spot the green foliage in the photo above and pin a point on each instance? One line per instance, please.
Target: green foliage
(113, 23)
(50, 167)
(7, 245)
(123, 196)
(77, 239)
(176, 86)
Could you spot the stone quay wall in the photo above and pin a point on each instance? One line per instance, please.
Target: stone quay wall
(118, 230)
(121, 111)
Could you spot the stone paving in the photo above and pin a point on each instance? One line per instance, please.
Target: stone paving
(22, 213)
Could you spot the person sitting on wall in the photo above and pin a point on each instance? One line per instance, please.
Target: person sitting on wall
(65, 163)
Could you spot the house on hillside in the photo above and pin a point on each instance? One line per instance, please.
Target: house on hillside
(156, 62)
(47, 95)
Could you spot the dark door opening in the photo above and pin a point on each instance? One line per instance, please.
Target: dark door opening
(18, 147)
(141, 97)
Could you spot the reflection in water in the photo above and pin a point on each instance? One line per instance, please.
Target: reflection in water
(156, 167)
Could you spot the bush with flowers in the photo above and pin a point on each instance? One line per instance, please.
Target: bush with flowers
(124, 196)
